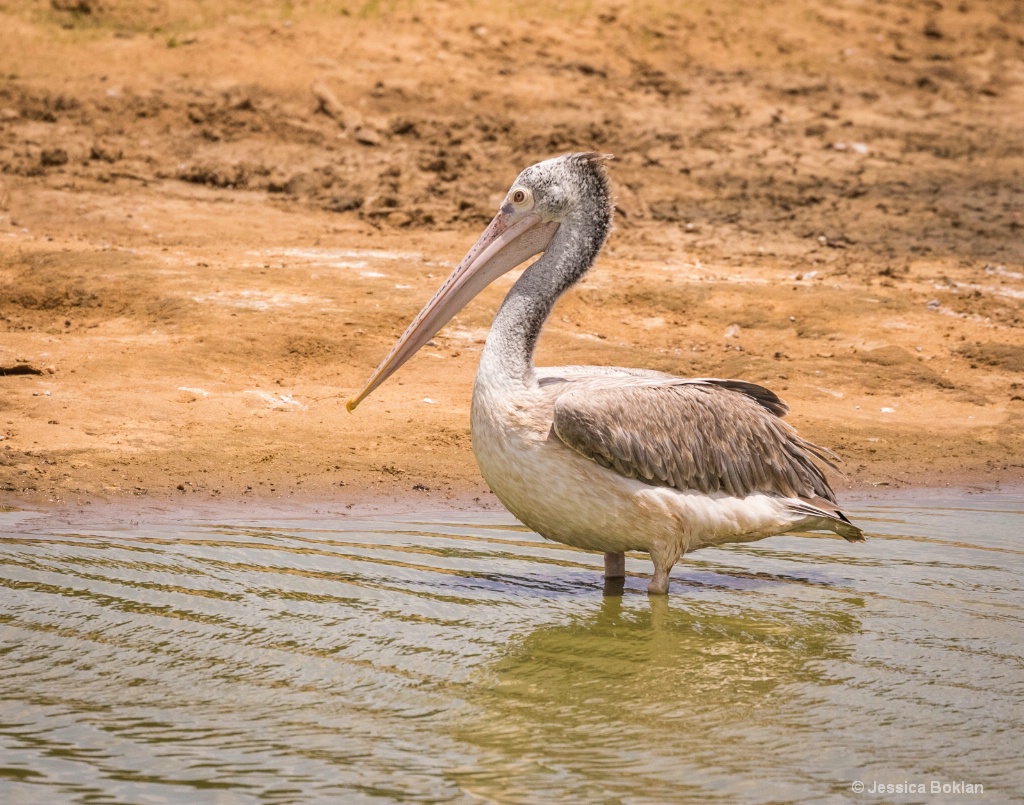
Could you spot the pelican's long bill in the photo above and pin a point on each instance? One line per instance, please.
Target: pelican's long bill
(509, 239)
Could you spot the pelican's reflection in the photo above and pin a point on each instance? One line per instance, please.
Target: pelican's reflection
(651, 683)
(614, 587)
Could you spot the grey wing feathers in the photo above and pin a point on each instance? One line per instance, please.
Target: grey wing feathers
(705, 435)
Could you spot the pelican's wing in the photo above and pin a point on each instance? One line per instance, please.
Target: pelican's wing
(617, 376)
(705, 435)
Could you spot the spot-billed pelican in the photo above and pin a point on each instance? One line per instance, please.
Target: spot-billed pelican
(602, 458)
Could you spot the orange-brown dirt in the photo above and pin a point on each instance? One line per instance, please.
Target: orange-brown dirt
(214, 223)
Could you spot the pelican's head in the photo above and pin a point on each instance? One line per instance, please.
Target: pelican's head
(561, 188)
(565, 190)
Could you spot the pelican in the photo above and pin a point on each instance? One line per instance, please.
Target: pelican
(602, 458)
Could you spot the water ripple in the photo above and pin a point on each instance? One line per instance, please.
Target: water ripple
(463, 658)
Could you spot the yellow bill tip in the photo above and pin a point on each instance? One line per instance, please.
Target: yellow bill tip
(351, 404)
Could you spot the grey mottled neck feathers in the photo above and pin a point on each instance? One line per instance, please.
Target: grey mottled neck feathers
(573, 250)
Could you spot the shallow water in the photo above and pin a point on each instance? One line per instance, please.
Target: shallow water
(460, 658)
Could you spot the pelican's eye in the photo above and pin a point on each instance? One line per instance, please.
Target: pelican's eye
(520, 196)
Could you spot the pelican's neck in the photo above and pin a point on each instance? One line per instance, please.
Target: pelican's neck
(508, 353)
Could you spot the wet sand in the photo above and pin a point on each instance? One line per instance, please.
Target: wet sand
(214, 225)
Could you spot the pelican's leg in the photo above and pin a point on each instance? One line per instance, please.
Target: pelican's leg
(615, 565)
(664, 558)
(659, 584)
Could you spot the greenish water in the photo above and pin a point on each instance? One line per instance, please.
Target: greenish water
(460, 658)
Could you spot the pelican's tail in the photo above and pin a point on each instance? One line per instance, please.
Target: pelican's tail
(819, 514)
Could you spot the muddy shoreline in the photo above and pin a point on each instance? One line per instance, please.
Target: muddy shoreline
(213, 225)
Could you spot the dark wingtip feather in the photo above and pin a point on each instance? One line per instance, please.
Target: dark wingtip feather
(849, 531)
(830, 516)
(766, 398)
